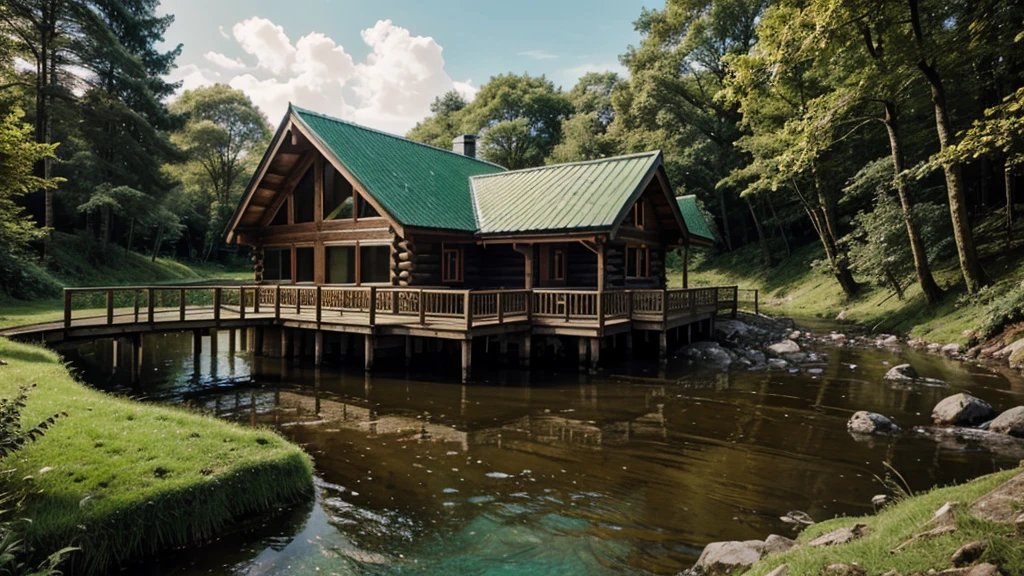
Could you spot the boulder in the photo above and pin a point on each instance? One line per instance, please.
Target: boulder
(733, 330)
(890, 341)
(961, 410)
(776, 544)
(1010, 422)
(777, 363)
(933, 347)
(969, 553)
(796, 357)
(786, 346)
(951, 349)
(1008, 350)
(1018, 524)
(840, 536)
(710, 352)
(755, 356)
(903, 372)
(720, 558)
(1001, 504)
(865, 422)
(794, 335)
(837, 338)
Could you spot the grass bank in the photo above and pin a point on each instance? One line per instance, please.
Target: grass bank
(79, 263)
(898, 523)
(792, 287)
(121, 479)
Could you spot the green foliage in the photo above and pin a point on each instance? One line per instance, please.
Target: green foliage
(585, 133)
(12, 436)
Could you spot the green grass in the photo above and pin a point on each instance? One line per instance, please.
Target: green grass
(896, 524)
(128, 479)
(793, 288)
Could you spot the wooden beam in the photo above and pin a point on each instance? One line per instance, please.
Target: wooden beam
(527, 251)
(264, 166)
(285, 191)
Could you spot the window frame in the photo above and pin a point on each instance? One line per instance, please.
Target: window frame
(460, 265)
(635, 272)
(284, 249)
(558, 257)
(639, 214)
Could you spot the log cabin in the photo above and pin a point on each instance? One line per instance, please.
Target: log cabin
(335, 203)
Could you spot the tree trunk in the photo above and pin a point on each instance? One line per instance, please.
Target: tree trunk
(725, 220)
(131, 236)
(839, 265)
(971, 269)
(894, 283)
(156, 244)
(829, 233)
(1008, 170)
(766, 255)
(932, 292)
(104, 226)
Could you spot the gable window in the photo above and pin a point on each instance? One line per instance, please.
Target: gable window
(557, 264)
(281, 217)
(303, 198)
(277, 264)
(339, 202)
(638, 262)
(366, 210)
(638, 214)
(452, 265)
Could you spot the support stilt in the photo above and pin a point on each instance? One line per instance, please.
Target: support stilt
(257, 341)
(408, 351)
(368, 352)
(583, 352)
(467, 360)
(286, 342)
(629, 343)
(197, 344)
(231, 341)
(595, 352)
(689, 333)
(115, 352)
(318, 348)
(243, 339)
(524, 350)
(662, 345)
(298, 339)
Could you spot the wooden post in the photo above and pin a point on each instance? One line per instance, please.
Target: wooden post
(286, 341)
(408, 351)
(567, 298)
(686, 265)
(319, 305)
(241, 303)
(257, 341)
(469, 314)
(256, 300)
(467, 360)
(318, 351)
(663, 345)
(527, 252)
(197, 344)
(394, 302)
(422, 308)
(231, 341)
(600, 268)
(373, 308)
(150, 304)
(298, 342)
(600, 310)
(583, 352)
(67, 308)
(524, 350)
(277, 301)
(181, 304)
(629, 343)
(595, 352)
(664, 306)
(368, 352)
(216, 305)
(135, 306)
(136, 358)
(110, 307)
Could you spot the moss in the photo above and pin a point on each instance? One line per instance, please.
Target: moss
(121, 479)
(899, 522)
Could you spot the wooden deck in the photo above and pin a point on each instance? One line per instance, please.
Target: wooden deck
(438, 313)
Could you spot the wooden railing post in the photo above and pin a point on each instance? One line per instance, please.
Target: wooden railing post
(567, 299)
(241, 303)
(600, 309)
(298, 301)
(135, 305)
(181, 304)
(256, 300)
(319, 304)
(110, 307)
(664, 305)
(501, 313)
(216, 304)
(629, 305)
(394, 302)
(529, 306)
(277, 301)
(467, 309)
(67, 308)
(150, 305)
(373, 305)
(422, 304)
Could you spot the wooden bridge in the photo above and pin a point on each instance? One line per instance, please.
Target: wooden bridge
(387, 313)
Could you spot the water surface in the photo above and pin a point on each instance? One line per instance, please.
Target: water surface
(550, 472)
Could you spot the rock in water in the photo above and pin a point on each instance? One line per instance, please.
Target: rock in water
(721, 558)
(903, 372)
(962, 410)
(864, 422)
(1010, 422)
(786, 346)
(951, 349)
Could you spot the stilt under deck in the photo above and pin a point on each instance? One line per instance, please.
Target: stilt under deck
(386, 314)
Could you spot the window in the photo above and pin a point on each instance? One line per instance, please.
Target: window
(303, 198)
(452, 269)
(374, 264)
(557, 265)
(338, 202)
(340, 264)
(277, 264)
(305, 265)
(638, 214)
(281, 217)
(637, 262)
(366, 210)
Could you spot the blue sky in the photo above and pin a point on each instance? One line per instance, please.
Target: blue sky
(381, 62)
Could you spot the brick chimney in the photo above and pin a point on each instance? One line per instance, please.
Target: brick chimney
(465, 144)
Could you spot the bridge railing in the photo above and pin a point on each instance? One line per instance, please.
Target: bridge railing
(372, 305)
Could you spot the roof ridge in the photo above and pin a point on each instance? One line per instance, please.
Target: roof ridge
(564, 164)
(293, 107)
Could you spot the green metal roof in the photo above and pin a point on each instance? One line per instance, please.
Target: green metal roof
(417, 184)
(577, 196)
(694, 218)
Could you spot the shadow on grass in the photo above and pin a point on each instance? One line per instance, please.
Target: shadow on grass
(34, 354)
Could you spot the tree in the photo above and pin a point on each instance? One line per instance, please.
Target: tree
(585, 133)
(524, 113)
(222, 140)
(445, 124)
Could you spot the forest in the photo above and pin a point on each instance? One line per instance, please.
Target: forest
(880, 132)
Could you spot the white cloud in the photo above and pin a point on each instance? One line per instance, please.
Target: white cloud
(538, 55)
(223, 61)
(567, 77)
(223, 32)
(391, 89)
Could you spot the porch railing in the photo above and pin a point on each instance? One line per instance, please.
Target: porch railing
(374, 305)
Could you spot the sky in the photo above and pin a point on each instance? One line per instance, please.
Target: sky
(382, 62)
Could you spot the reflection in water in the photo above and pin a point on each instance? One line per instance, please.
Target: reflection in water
(539, 473)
